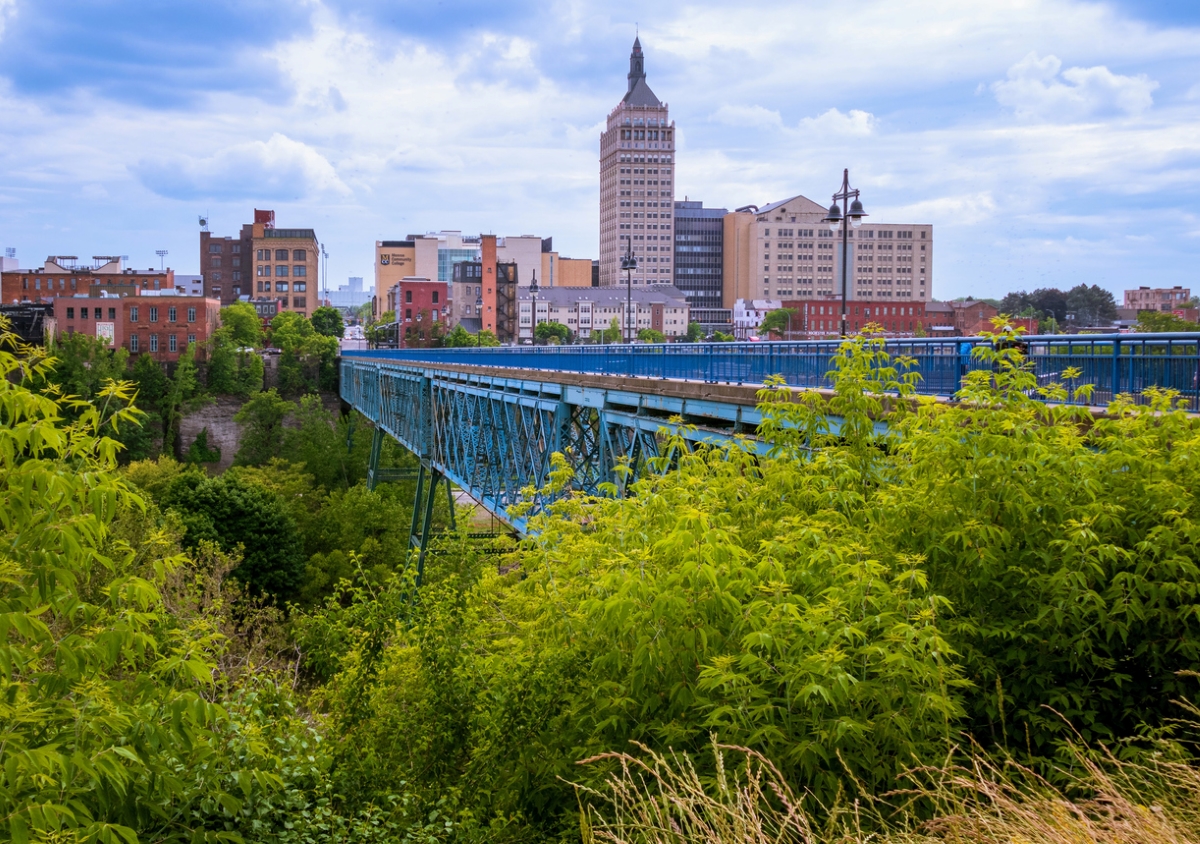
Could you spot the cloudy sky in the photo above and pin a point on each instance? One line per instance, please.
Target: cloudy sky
(1050, 142)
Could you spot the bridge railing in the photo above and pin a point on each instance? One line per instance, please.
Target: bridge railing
(1112, 363)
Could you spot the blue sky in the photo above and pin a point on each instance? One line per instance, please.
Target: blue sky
(1050, 142)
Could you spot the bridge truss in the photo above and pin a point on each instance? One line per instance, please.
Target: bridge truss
(493, 434)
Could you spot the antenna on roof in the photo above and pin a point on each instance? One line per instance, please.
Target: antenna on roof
(204, 223)
(10, 251)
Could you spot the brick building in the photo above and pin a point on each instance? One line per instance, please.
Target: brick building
(62, 275)
(159, 325)
(419, 304)
(263, 262)
(822, 318)
(1157, 298)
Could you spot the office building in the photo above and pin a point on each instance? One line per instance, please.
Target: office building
(637, 183)
(784, 251)
(584, 310)
(699, 254)
(349, 296)
(420, 306)
(262, 262)
(1158, 298)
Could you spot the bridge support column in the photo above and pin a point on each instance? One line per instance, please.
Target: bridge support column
(428, 480)
(373, 460)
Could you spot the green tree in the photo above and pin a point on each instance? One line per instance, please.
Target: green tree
(651, 335)
(328, 321)
(459, 337)
(244, 325)
(1091, 305)
(778, 321)
(722, 337)
(695, 332)
(612, 334)
(307, 360)
(382, 330)
(554, 333)
(1150, 321)
(241, 518)
(487, 338)
(263, 432)
(184, 387)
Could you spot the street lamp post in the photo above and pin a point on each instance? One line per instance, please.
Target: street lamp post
(628, 264)
(836, 219)
(533, 294)
(162, 254)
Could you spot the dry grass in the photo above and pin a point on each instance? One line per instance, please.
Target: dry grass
(652, 798)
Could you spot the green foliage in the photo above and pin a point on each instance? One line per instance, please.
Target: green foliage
(778, 321)
(262, 420)
(233, 369)
(307, 360)
(487, 338)
(382, 330)
(234, 516)
(695, 332)
(458, 337)
(243, 325)
(552, 333)
(721, 337)
(651, 335)
(1150, 321)
(612, 334)
(328, 321)
(199, 451)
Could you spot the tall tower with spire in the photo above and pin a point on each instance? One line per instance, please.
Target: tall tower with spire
(637, 183)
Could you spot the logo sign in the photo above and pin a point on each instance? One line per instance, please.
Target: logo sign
(385, 259)
(106, 331)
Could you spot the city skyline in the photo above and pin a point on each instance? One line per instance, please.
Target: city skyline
(1050, 143)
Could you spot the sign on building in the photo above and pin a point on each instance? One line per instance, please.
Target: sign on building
(106, 331)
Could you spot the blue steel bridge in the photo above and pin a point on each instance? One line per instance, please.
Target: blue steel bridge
(487, 420)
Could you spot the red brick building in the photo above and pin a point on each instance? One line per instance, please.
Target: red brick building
(822, 317)
(62, 275)
(158, 325)
(418, 303)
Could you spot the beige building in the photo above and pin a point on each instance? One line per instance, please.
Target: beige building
(660, 307)
(784, 251)
(637, 194)
(1158, 298)
(286, 263)
(565, 272)
(398, 259)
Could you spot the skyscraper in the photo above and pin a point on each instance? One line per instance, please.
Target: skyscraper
(637, 183)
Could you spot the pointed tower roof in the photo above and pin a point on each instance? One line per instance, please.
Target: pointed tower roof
(639, 93)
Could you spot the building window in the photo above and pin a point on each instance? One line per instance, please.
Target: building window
(281, 286)
(281, 254)
(214, 248)
(172, 343)
(215, 262)
(435, 299)
(408, 296)
(133, 344)
(237, 275)
(153, 316)
(298, 302)
(191, 314)
(408, 314)
(235, 248)
(299, 255)
(435, 313)
(300, 286)
(299, 272)
(191, 339)
(281, 272)
(112, 313)
(171, 314)
(154, 342)
(70, 313)
(133, 314)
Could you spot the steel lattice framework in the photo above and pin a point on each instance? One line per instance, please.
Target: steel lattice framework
(494, 436)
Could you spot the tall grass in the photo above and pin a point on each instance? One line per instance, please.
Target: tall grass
(1152, 797)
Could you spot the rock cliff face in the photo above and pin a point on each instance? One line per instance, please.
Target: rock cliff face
(223, 432)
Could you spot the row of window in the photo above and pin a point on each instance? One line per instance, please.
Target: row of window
(172, 314)
(135, 342)
(408, 297)
(218, 248)
(282, 255)
(281, 271)
(282, 287)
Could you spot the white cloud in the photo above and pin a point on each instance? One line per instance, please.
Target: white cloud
(278, 169)
(8, 8)
(962, 210)
(756, 115)
(1033, 89)
(834, 122)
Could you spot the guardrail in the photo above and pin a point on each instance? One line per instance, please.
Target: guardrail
(1112, 363)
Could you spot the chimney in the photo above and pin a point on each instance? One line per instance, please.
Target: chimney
(487, 251)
